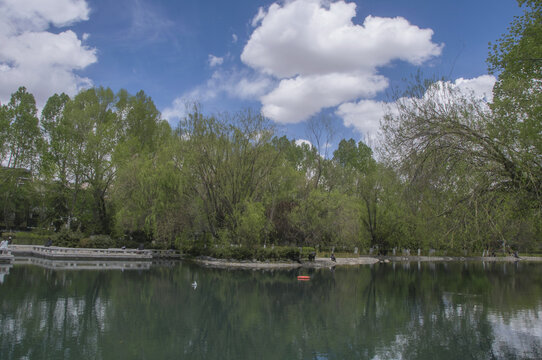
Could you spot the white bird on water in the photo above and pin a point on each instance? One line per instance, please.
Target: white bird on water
(194, 285)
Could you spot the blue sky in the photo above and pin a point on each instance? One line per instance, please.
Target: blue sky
(296, 60)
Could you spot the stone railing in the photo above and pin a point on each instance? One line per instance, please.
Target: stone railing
(54, 252)
(169, 254)
(5, 256)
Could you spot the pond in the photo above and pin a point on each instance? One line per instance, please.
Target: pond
(398, 311)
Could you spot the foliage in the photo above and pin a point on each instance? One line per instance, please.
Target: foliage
(28, 238)
(457, 174)
(276, 253)
(473, 167)
(97, 241)
(68, 238)
(517, 106)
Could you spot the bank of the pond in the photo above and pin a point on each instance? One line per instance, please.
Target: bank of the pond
(317, 263)
(361, 260)
(459, 258)
(87, 254)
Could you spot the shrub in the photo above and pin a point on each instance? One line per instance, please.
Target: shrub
(288, 253)
(245, 253)
(67, 238)
(242, 253)
(97, 241)
(305, 251)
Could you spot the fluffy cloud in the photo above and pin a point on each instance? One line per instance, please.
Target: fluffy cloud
(365, 115)
(312, 46)
(44, 62)
(236, 84)
(481, 86)
(36, 15)
(304, 37)
(295, 100)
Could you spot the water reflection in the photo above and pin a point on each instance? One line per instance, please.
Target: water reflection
(423, 311)
(4, 271)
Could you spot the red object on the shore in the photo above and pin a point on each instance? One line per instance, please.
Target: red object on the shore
(303, 278)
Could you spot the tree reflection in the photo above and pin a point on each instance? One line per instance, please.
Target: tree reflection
(432, 311)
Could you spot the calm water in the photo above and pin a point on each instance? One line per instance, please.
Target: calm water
(401, 311)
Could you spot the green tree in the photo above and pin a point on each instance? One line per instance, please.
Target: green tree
(358, 157)
(517, 105)
(477, 157)
(4, 131)
(327, 219)
(55, 160)
(229, 159)
(24, 134)
(21, 139)
(149, 197)
(146, 189)
(140, 121)
(94, 133)
(57, 146)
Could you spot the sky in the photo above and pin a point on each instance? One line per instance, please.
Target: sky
(292, 60)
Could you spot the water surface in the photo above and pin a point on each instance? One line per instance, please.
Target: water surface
(397, 311)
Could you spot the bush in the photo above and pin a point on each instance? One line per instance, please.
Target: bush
(221, 252)
(242, 253)
(306, 251)
(246, 253)
(97, 241)
(127, 242)
(67, 238)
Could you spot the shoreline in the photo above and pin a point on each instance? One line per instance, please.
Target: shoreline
(317, 263)
(362, 260)
(121, 255)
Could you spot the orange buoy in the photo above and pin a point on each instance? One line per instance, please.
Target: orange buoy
(303, 278)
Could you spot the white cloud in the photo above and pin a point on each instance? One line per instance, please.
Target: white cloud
(481, 86)
(251, 88)
(234, 38)
(312, 46)
(236, 84)
(19, 16)
(301, 142)
(42, 61)
(258, 17)
(304, 37)
(215, 60)
(295, 100)
(365, 115)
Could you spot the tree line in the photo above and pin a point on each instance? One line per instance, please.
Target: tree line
(453, 173)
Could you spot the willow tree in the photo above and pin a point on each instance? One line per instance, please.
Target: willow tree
(147, 187)
(229, 159)
(480, 156)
